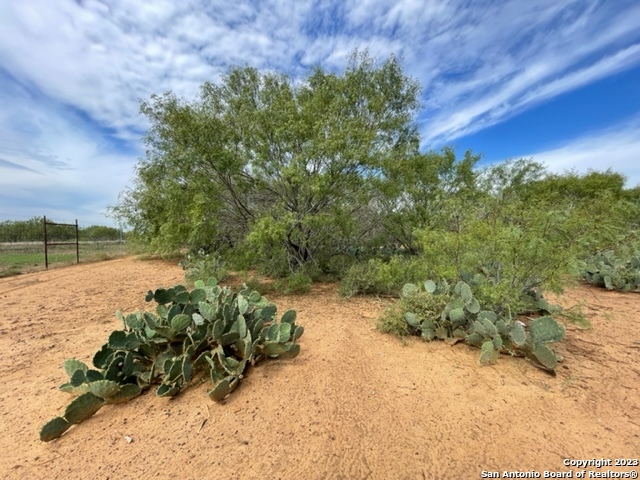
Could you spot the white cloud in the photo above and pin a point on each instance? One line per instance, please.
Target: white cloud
(478, 62)
(617, 148)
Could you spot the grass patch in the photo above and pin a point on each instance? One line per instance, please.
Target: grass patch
(423, 304)
(16, 258)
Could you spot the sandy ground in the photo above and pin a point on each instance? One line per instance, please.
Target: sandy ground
(354, 404)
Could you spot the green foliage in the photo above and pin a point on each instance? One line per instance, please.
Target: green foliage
(380, 277)
(521, 243)
(451, 312)
(202, 266)
(413, 192)
(420, 304)
(284, 167)
(298, 282)
(607, 270)
(96, 233)
(209, 329)
(32, 230)
(331, 135)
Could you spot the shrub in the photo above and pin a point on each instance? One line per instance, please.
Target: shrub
(380, 277)
(202, 265)
(298, 282)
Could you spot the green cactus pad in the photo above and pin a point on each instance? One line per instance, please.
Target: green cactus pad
(125, 393)
(479, 329)
(411, 319)
(71, 365)
(502, 327)
(459, 333)
(487, 314)
(289, 317)
(254, 297)
(173, 311)
(207, 311)
(180, 322)
(187, 369)
(273, 332)
(162, 296)
(474, 339)
(94, 375)
(442, 333)
(165, 390)
(114, 371)
(517, 335)
(545, 356)
(457, 315)
(120, 340)
(229, 338)
(134, 322)
(268, 311)
(489, 354)
(240, 326)
(53, 429)
(243, 304)
(428, 324)
(150, 320)
(104, 388)
(101, 358)
(489, 327)
(297, 333)
(175, 370)
(285, 332)
(409, 289)
(473, 306)
(546, 329)
(428, 333)
(465, 293)
(78, 378)
(430, 286)
(218, 329)
(77, 390)
(257, 328)
(292, 352)
(82, 408)
(220, 391)
(274, 348)
(198, 295)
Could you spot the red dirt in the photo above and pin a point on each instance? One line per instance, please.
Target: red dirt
(354, 404)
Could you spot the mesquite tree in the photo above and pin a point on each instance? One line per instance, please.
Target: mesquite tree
(285, 168)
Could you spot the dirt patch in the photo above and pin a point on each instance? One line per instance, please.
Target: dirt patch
(354, 404)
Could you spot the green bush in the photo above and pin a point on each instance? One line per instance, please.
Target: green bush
(422, 303)
(298, 282)
(202, 265)
(379, 277)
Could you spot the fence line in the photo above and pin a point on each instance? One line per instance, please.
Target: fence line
(47, 243)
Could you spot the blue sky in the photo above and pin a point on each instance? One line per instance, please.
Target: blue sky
(553, 80)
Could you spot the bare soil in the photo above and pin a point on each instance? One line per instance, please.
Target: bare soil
(354, 404)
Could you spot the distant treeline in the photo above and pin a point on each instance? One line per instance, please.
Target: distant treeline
(32, 231)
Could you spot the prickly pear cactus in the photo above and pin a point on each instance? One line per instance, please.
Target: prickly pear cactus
(614, 273)
(210, 329)
(493, 332)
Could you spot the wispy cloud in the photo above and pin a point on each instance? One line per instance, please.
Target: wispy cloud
(15, 166)
(617, 148)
